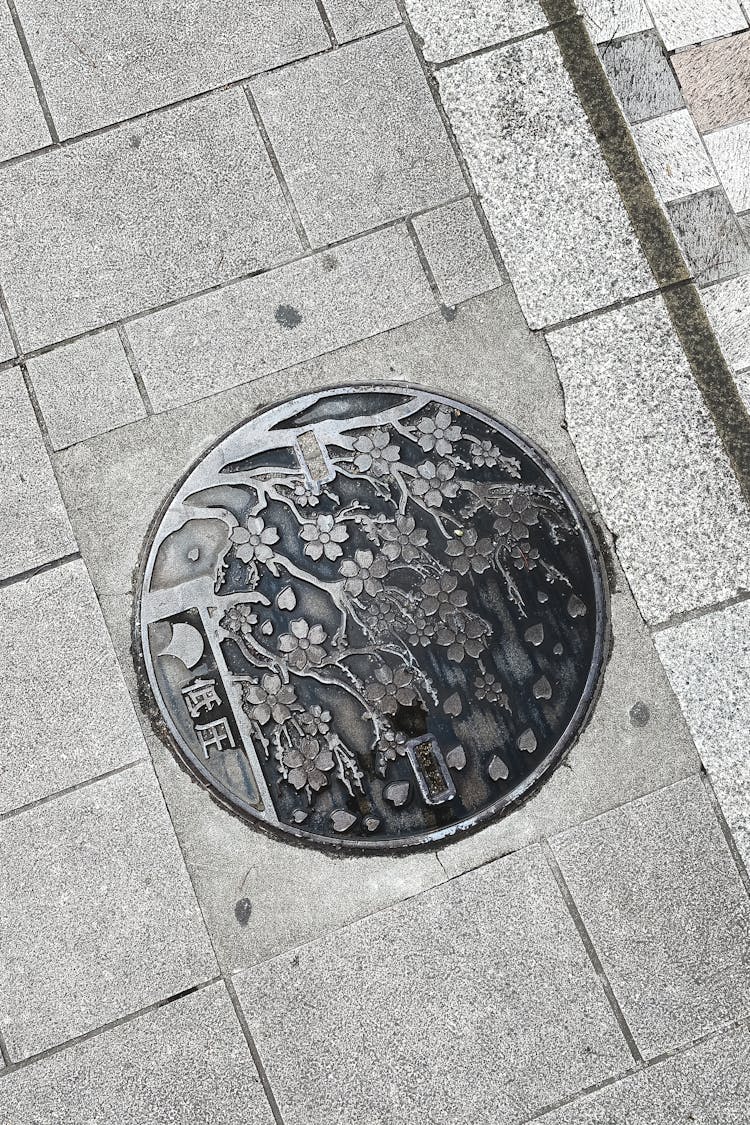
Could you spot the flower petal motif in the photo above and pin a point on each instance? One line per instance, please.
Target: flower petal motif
(300, 628)
(317, 635)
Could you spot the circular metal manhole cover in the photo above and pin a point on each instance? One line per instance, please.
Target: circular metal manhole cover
(372, 616)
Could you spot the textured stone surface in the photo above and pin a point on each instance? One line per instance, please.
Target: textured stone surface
(651, 453)
(708, 661)
(448, 28)
(528, 143)
(100, 62)
(640, 74)
(728, 306)
(352, 18)
(684, 22)
(609, 19)
(67, 713)
(358, 137)
(730, 151)
(458, 252)
(662, 900)
(710, 236)
(138, 216)
(457, 1024)
(715, 80)
(33, 520)
(22, 125)
(352, 291)
(182, 1064)
(98, 918)
(7, 348)
(85, 388)
(674, 155)
(709, 1084)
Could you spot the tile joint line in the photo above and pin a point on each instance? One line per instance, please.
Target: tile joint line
(33, 72)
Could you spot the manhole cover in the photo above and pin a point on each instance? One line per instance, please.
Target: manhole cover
(372, 617)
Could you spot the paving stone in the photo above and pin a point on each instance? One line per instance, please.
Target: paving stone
(640, 74)
(184, 1063)
(708, 661)
(730, 151)
(100, 62)
(7, 348)
(457, 1023)
(300, 310)
(664, 905)
(684, 22)
(138, 216)
(85, 388)
(448, 28)
(728, 307)
(457, 250)
(98, 916)
(35, 526)
(68, 716)
(351, 19)
(608, 19)
(528, 143)
(709, 1084)
(710, 236)
(674, 155)
(648, 445)
(715, 80)
(358, 137)
(22, 125)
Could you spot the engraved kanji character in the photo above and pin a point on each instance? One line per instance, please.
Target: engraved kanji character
(200, 696)
(215, 736)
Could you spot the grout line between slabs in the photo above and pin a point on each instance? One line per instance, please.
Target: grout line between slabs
(702, 611)
(135, 369)
(591, 951)
(89, 781)
(241, 1019)
(32, 572)
(726, 830)
(426, 267)
(33, 72)
(275, 164)
(442, 64)
(325, 20)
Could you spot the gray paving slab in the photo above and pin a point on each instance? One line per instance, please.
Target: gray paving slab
(138, 216)
(559, 221)
(183, 1064)
(730, 151)
(35, 526)
(7, 348)
(98, 916)
(85, 388)
(101, 62)
(448, 28)
(22, 125)
(708, 661)
(351, 19)
(709, 1084)
(662, 900)
(68, 715)
(358, 137)
(710, 236)
(715, 79)
(675, 156)
(728, 308)
(452, 994)
(300, 310)
(457, 250)
(684, 22)
(663, 483)
(608, 19)
(639, 72)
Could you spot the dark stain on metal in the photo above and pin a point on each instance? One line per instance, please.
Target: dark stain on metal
(372, 618)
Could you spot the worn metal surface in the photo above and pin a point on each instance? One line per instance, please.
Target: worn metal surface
(372, 617)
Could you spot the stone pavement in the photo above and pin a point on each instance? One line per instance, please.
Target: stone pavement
(205, 208)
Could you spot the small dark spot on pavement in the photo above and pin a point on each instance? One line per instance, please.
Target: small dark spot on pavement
(242, 911)
(639, 714)
(135, 141)
(287, 316)
(330, 261)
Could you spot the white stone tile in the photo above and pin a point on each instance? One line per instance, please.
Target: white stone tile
(457, 250)
(186, 1063)
(85, 388)
(34, 524)
(728, 308)
(68, 716)
(298, 311)
(97, 914)
(708, 663)
(22, 126)
(351, 19)
(609, 19)
(730, 152)
(684, 22)
(558, 218)
(649, 447)
(448, 28)
(674, 155)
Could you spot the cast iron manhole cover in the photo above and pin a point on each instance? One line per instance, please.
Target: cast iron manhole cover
(372, 617)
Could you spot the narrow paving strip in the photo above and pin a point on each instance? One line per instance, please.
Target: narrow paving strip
(204, 212)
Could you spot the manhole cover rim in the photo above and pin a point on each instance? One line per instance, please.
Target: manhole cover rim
(162, 724)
